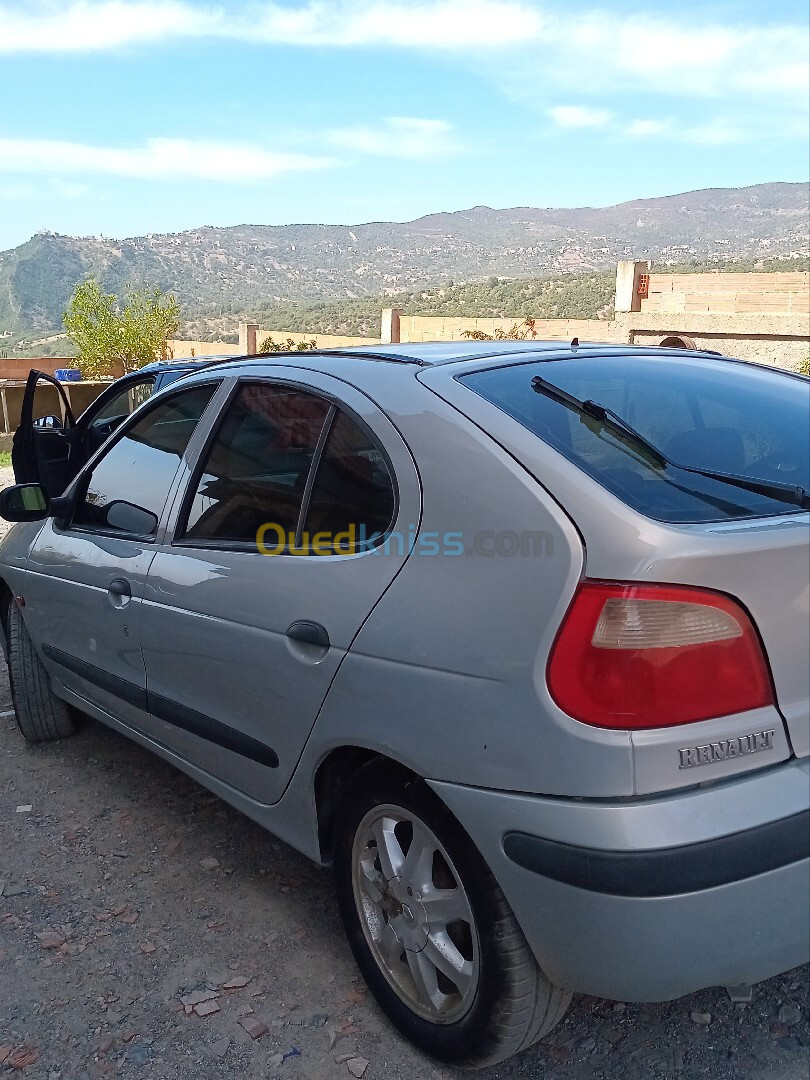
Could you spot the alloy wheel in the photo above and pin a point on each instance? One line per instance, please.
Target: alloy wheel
(415, 914)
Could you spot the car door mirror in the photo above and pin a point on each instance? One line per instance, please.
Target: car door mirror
(23, 502)
(50, 423)
(130, 518)
(30, 502)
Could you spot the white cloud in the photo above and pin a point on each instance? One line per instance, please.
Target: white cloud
(530, 48)
(579, 116)
(156, 159)
(399, 137)
(86, 25)
(678, 55)
(445, 24)
(758, 76)
(643, 129)
(719, 132)
(682, 57)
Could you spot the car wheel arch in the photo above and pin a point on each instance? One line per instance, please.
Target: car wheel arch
(335, 773)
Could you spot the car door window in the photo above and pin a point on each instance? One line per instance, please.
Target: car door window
(123, 403)
(128, 486)
(353, 494)
(287, 468)
(101, 420)
(257, 467)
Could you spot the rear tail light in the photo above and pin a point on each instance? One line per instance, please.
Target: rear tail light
(648, 656)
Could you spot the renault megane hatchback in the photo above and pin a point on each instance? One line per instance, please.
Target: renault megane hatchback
(514, 636)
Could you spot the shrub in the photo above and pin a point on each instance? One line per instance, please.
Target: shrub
(271, 346)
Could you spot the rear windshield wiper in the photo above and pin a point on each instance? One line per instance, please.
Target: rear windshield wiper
(627, 434)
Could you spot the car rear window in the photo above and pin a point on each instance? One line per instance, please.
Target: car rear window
(710, 414)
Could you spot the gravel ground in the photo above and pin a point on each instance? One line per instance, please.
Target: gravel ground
(125, 887)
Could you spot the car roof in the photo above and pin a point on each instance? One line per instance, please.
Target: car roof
(456, 358)
(435, 353)
(473, 354)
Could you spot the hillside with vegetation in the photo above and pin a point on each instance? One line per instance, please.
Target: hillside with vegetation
(277, 273)
(586, 296)
(568, 296)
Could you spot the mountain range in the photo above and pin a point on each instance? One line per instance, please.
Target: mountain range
(229, 273)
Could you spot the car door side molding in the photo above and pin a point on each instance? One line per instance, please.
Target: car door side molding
(113, 684)
(170, 712)
(206, 727)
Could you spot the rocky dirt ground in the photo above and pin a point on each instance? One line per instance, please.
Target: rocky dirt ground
(148, 930)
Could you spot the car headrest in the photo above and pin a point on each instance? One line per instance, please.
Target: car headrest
(718, 448)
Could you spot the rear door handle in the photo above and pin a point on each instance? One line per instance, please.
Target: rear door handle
(310, 633)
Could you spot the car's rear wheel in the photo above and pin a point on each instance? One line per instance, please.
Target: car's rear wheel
(431, 930)
(41, 715)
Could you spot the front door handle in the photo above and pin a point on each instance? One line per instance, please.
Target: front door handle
(310, 633)
(120, 591)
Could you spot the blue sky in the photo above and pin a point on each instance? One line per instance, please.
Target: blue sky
(122, 117)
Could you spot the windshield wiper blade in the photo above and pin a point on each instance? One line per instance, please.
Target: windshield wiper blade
(625, 432)
(620, 427)
(772, 489)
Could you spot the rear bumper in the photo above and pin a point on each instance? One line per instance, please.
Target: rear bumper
(662, 872)
(653, 906)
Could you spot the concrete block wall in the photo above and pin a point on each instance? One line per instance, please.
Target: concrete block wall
(731, 294)
(323, 341)
(184, 350)
(434, 328)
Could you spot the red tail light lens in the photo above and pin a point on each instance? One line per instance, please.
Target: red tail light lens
(648, 656)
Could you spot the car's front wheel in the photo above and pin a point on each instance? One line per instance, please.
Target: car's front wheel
(431, 930)
(41, 715)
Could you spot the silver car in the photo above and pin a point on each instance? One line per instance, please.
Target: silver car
(514, 636)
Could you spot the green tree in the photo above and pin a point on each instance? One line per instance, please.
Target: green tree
(105, 331)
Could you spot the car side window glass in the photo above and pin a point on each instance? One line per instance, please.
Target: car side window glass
(127, 489)
(352, 499)
(256, 470)
(122, 404)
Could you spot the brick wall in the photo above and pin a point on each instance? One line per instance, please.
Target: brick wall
(16, 367)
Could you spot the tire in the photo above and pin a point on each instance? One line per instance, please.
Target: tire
(41, 715)
(491, 999)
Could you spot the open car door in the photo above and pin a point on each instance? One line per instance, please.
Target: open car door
(49, 449)
(110, 409)
(42, 448)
